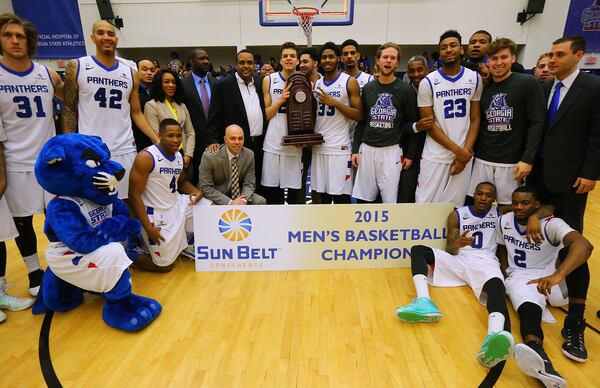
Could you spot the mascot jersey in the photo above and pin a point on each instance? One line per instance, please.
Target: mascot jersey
(103, 107)
(161, 187)
(26, 114)
(94, 214)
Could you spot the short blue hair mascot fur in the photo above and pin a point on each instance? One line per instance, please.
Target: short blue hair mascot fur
(85, 224)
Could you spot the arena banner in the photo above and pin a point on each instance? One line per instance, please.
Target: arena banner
(584, 19)
(60, 35)
(303, 237)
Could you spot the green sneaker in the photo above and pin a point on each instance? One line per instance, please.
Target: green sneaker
(420, 310)
(496, 347)
(2, 316)
(14, 303)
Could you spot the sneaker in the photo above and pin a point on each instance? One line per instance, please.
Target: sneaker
(35, 280)
(420, 310)
(535, 363)
(14, 303)
(574, 345)
(496, 347)
(2, 316)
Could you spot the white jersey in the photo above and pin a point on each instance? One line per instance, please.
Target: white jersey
(482, 227)
(531, 257)
(103, 107)
(277, 127)
(363, 79)
(161, 187)
(94, 214)
(451, 99)
(331, 123)
(25, 114)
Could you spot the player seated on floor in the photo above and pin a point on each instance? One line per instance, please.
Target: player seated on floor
(469, 259)
(165, 214)
(534, 271)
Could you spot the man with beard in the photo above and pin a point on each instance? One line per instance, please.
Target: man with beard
(451, 96)
(541, 71)
(390, 111)
(338, 95)
(198, 87)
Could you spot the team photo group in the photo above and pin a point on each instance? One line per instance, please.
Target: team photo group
(136, 148)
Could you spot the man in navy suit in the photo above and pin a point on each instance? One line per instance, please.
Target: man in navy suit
(239, 100)
(570, 164)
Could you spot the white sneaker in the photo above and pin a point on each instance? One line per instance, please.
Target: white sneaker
(14, 303)
(2, 316)
(532, 364)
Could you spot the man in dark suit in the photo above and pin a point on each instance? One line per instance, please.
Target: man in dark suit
(146, 71)
(198, 87)
(571, 164)
(239, 100)
(227, 176)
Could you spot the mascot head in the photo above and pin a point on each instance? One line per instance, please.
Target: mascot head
(77, 165)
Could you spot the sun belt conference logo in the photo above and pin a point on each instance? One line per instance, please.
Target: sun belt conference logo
(235, 225)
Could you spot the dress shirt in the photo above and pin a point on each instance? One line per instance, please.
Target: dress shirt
(252, 106)
(197, 79)
(567, 83)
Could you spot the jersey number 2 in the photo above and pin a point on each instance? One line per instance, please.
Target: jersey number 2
(114, 101)
(520, 258)
(455, 108)
(24, 105)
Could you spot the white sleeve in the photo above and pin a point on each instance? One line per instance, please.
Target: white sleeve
(425, 96)
(499, 235)
(478, 89)
(555, 230)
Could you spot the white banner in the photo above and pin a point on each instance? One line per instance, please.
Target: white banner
(299, 237)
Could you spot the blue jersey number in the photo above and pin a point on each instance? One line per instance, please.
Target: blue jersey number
(24, 105)
(173, 185)
(455, 108)
(114, 102)
(478, 240)
(520, 258)
(326, 110)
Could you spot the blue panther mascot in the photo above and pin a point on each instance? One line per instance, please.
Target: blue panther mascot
(85, 224)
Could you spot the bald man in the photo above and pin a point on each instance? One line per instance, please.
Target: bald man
(227, 176)
(101, 99)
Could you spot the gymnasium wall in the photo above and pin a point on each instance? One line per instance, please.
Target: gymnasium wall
(414, 24)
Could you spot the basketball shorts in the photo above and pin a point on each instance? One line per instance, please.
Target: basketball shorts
(24, 196)
(500, 175)
(8, 230)
(378, 171)
(126, 160)
(283, 171)
(465, 269)
(331, 174)
(97, 271)
(175, 224)
(437, 185)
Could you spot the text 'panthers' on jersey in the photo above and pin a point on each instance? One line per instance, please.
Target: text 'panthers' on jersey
(277, 127)
(161, 187)
(482, 227)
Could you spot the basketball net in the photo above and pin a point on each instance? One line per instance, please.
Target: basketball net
(306, 16)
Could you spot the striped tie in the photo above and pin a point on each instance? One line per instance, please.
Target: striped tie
(204, 97)
(235, 179)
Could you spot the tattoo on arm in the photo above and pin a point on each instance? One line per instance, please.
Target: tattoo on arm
(71, 90)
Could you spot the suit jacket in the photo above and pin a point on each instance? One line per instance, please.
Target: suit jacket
(227, 107)
(572, 141)
(215, 175)
(141, 140)
(194, 106)
(156, 111)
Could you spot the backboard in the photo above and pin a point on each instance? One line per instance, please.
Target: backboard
(332, 12)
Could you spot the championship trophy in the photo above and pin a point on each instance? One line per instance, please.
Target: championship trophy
(301, 111)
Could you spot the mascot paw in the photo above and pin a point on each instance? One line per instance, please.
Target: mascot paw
(114, 228)
(132, 227)
(132, 313)
(56, 295)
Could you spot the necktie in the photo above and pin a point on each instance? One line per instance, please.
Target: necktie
(235, 179)
(553, 108)
(204, 97)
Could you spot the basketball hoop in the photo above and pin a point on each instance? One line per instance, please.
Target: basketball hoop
(305, 17)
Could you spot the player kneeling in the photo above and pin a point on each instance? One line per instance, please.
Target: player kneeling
(469, 259)
(535, 271)
(165, 214)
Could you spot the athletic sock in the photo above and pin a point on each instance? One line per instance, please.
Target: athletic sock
(576, 310)
(421, 286)
(32, 262)
(495, 322)
(2, 285)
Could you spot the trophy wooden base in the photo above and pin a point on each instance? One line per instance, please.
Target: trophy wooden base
(303, 139)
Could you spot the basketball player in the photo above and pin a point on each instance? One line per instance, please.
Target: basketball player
(469, 259)
(390, 110)
(165, 215)
(350, 57)
(26, 106)
(101, 99)
(309, 64)
(338, 95)
(512, 118)
(282, 165)
(451, 96)
(533, 274)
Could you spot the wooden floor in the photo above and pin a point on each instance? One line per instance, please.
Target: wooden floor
(278, 329)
